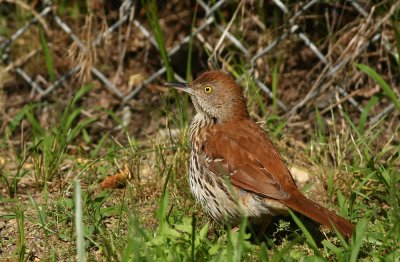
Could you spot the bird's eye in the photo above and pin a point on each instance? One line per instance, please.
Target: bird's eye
(208, 89)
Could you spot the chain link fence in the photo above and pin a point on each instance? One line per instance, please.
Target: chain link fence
(217, 20)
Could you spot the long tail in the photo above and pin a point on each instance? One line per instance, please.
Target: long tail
(316, 212)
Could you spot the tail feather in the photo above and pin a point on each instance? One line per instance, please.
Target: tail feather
(316, 212)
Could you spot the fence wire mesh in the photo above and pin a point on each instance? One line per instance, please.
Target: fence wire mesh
(218, 26)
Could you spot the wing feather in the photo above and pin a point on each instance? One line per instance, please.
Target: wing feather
(267, 176)
(236, 154)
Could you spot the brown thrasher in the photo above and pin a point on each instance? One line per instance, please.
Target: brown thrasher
(235, 170)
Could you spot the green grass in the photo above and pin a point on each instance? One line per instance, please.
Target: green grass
(80, 241)
(387, 89)
(53, 208)
(47, 56)
(155, 218)
(151, 11)
(49, 146)
(126, 224)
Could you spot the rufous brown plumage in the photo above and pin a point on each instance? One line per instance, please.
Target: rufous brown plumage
(235, 170)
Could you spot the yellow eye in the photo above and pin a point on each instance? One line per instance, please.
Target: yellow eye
(208, 89)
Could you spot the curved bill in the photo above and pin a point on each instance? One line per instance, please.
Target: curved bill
(180, 86)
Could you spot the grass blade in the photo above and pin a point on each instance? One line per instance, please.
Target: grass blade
(152, 16)
(382, 83)
(47, 56)
(363, 118)
(275, 88)
(189, 59)
(193, 236)
(80, 242)
(21, 247)
(358, 238)
(309, 238)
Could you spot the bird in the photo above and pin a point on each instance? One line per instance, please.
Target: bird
(235, 170)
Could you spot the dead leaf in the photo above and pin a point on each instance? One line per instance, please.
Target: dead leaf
(115, 181)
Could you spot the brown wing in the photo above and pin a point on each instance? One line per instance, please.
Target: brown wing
(238, 156)
(254, 164)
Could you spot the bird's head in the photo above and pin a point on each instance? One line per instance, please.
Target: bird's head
(216, 96)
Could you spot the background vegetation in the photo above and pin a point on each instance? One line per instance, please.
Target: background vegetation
(94, 151)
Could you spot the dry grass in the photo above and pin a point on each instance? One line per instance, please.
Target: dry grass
(351, 162)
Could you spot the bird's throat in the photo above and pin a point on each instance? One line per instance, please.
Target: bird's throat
(203, 114)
